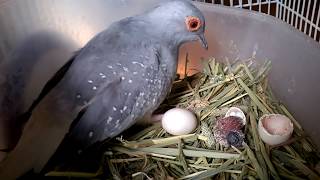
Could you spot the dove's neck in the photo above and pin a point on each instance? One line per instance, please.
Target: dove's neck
(164, 35)
(166, 32)
(168, 62)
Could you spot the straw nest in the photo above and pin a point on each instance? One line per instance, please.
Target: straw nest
(151, 153)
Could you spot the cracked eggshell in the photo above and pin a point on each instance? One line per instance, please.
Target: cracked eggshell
(234, 111)
(275, 129)
(178, 121)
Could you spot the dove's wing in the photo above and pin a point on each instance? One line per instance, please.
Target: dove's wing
(91, 83)
(117, 106)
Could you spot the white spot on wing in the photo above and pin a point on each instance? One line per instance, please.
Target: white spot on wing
(109, 119)
(130, 81)
(110, 67)
(118, 64)
(134, 62)
(117, 123)
(125, 108)
(114, 108)
(125, 69)
(78, 96)
(94, 88)
(90, 134)
(123, 78)
(112, 133)
(79, 151)
(90, 81)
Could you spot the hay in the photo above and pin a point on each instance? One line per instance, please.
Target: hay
(154, 154)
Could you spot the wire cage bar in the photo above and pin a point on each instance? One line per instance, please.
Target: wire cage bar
(304, 15)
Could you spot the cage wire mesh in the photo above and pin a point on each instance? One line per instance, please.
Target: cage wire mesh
(304, 15)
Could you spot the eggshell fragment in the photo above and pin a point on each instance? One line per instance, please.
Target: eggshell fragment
(234, 111)
(178, 121)
(275, 129)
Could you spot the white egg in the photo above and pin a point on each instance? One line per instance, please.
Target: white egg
(275, 128)
(234, 111)
(178, 121)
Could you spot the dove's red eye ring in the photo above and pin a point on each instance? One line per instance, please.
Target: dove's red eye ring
(193, 23)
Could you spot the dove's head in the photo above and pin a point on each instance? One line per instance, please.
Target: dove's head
(178, 21)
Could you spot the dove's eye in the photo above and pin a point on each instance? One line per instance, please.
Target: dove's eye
(193, 23)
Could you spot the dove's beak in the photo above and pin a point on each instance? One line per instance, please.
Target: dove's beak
(203, 41)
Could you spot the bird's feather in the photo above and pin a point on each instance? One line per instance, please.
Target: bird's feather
(84, 86)
(120, 75)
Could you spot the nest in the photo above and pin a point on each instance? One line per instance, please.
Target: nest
(151, 153)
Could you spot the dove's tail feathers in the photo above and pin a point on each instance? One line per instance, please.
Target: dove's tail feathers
(71, 153)
(55, 79)
(2, 80)
(21, 119)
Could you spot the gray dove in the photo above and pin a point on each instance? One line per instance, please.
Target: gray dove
(118, 77)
